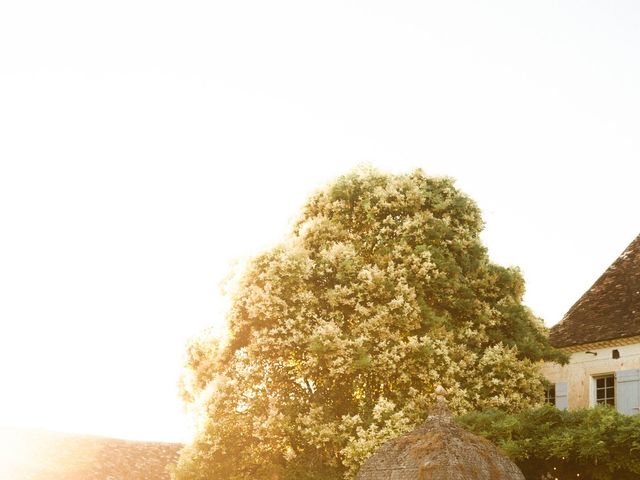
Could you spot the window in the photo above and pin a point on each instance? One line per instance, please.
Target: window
(605, 390)
(550, 395)
(556, 394)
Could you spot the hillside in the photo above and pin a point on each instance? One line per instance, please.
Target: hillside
(41, 455)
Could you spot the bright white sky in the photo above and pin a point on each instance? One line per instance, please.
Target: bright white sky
(145, 145)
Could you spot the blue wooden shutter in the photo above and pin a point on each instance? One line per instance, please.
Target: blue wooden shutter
(628, 391)
(562, 398)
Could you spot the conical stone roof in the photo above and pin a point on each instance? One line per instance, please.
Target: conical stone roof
(439, 450)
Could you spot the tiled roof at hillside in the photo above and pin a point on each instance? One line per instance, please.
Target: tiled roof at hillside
(41, 455)
(610, 309)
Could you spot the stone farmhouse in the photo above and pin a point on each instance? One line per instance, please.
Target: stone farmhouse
(601, 332)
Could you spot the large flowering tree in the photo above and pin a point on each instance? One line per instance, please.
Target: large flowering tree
(338, 336)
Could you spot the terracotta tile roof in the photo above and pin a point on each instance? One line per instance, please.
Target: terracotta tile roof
(610, 309)
(40, 455)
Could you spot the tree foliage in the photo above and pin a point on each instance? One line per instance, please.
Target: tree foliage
(594, 444)
(338, 336)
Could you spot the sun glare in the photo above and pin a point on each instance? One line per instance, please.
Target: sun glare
(24, 452)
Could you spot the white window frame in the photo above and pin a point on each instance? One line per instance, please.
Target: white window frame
(550, 395)
(594, 388)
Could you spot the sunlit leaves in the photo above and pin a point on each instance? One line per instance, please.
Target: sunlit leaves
(594, 444)
(338, 336)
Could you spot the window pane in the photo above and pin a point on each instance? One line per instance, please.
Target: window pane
(550, 395)
(605, 391)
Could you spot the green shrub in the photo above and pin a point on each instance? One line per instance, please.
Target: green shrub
(593, 444)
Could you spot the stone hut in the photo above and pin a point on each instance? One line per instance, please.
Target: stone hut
(439, 450)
